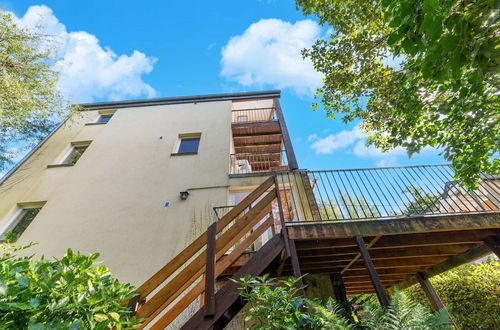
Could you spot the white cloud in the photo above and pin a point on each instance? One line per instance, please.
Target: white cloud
(354, 142)
(268, 54)
(362, 150)
(87, 70)
(312, 137)
(340, 140)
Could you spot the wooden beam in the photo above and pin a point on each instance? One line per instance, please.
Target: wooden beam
(428, 223)
(209, 300)
(393, 271)
(389, 253)
(381, 294)
(492, 243)
(452, 262)
(318, 244)
(369, 245)
(290, 154)
(430, 292)
(432, 239)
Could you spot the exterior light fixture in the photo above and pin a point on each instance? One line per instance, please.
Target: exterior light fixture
(184, 195)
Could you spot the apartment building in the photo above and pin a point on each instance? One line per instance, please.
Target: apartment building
(137, 181)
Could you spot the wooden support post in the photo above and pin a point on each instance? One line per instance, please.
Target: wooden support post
(377, 285)
(296, 266)
(289, 244)
(492, 243)
(432, 295)
(210, 272)
(339, 290)
(430, 292)
(340, 295)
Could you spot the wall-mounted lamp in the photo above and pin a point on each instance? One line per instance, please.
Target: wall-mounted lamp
(184, 195)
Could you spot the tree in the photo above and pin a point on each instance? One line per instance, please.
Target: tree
(73, 292)
(347, 206)
(417, 73)
(421, 202)
(30, 104)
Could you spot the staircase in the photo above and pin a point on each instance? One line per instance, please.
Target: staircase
(192, 274)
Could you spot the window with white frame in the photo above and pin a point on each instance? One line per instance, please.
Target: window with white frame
(187, 144)
(104, 118)
(21, 220)
(77, 150)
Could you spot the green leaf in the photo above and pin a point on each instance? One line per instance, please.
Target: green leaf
(100, 317)
(115, 316)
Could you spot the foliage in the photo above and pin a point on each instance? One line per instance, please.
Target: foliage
(403, 314)
(353, 207)
(274, 304)
(73, 292)
(470, 293)
(30, 105)
(420, 202)
(417, 73)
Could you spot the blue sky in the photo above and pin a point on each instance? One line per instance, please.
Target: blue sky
(137, 49)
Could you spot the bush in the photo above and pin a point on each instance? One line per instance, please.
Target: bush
(274, 304)
(73, 292)
(471, 294)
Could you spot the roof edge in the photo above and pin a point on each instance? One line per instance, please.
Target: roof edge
(179, 100)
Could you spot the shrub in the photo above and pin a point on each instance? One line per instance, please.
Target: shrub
(74, 292)
(274, 304)
(471, 294)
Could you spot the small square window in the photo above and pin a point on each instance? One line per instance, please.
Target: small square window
(187, 144)
(75, 154)
(21, 221)
(103, 119)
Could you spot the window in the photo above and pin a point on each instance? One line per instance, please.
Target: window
(75, 154)
(188, 144)
(242, 119)
(21, 221)
(103, 119)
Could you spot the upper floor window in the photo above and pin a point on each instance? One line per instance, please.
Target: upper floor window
(72, 154)
(75, 154)
(103, 119)
(187, 144)
(21, 220)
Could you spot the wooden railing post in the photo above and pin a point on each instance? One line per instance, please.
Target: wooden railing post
(289, 244)
(282, 215)
(210, 272)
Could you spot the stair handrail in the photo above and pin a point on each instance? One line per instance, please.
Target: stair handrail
(183, 279)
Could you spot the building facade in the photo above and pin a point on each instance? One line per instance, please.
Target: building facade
(138, 181)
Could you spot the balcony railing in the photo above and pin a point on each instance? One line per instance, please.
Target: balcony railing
(383, 193)
(258, 162)
(255, 115)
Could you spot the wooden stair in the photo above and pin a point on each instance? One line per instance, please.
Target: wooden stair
(191, 275)
(228, 304)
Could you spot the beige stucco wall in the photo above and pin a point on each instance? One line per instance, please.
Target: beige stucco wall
(113, 200)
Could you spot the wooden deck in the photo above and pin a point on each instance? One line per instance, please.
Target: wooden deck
(399, 248)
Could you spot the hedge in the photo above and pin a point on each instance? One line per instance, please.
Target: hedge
(471, 294)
